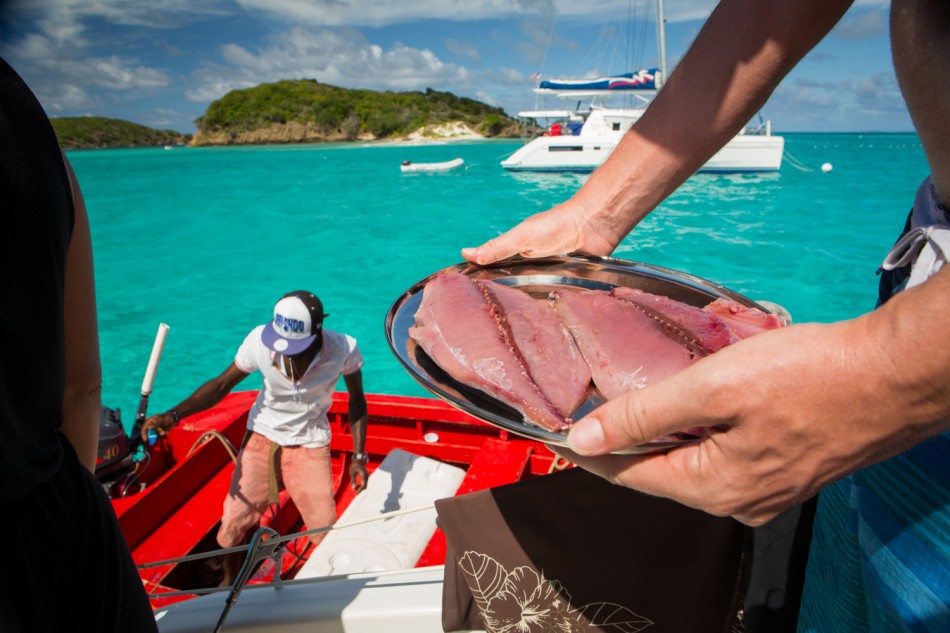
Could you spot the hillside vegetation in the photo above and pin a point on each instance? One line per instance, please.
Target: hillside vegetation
(94, 131)
(306, 110)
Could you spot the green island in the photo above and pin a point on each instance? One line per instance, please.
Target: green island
(89, 132)
(306, 111)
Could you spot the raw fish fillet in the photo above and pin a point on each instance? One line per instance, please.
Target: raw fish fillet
(488, 338)
(625, 348)
(701, 327)
(544, 344)
(743, 321)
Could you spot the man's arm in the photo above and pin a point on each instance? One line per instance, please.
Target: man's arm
(204, 397)
(82, 399)
(739, 57)
(358, 423)
(786, 412)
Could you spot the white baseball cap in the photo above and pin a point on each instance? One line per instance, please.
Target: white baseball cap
(298, 320)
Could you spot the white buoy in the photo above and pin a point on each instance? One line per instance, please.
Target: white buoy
(826, 167)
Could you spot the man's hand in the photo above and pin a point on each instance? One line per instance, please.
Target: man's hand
(567, 228)
(785, 413)
(358, 475)
(162, 423)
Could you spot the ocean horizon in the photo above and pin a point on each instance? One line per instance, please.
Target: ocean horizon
(206, 239)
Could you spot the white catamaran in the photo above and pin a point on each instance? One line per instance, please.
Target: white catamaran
(580, 139)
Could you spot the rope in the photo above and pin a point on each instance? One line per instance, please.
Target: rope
(130, 479)
(286, 583)
(794, 162)
(204, 437)
(289, 537)
(558, 464)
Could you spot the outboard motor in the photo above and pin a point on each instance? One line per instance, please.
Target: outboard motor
(114, 456)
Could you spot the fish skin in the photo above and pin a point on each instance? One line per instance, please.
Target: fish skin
(701, 327)
(544, 345)
(625, 348)
(460, 328)
(743, 320)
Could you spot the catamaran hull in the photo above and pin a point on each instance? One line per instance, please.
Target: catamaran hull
(744, 153)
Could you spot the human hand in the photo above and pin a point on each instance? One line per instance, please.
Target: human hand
(567, 228)
(785, 413)
(162, 423)
(358, 475)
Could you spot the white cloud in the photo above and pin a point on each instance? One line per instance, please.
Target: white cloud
(873, 102)
(858, 25)
(484, 97)
(64, 79)
(63, 19)
(879, 93)
(384, 12)
(165, 118)
(461, 49)
(338, 57)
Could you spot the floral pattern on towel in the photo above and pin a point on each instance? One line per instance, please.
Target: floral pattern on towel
(521, 601)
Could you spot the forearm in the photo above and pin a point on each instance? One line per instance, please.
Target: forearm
(739, 57)
(82, 394)
(913, 363)
(358, 421)
(205, 397)
(81, 422)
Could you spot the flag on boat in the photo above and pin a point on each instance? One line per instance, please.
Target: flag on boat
(640, 80)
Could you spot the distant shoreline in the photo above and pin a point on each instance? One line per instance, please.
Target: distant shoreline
(423, 142)
(326, 144)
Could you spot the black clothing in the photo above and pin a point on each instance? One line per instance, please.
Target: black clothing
(36, 221)
(66, 565)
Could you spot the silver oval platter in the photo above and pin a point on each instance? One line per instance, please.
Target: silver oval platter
(538, 277)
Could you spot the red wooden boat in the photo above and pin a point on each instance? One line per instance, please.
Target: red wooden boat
(170, 505)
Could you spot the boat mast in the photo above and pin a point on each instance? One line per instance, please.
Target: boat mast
(661, 38)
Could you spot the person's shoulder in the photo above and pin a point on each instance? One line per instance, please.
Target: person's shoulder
(254, 336)
(340, 340)
(252, 343)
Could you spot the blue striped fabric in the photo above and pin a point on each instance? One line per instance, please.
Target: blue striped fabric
(880, 558)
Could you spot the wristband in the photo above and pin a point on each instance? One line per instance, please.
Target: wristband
(175, 417)
(360, 457)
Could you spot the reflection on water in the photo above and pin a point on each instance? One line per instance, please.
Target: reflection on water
(569, 182)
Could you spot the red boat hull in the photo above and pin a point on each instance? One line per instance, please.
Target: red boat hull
(173, 503)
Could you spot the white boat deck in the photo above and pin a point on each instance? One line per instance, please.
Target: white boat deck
(402, 481)
(407, 601)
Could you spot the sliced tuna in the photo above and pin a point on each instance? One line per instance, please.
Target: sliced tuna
(469, 329)
(625, 348)
(698, 326)
(545, 346)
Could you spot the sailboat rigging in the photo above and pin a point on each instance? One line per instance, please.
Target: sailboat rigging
(580, 138)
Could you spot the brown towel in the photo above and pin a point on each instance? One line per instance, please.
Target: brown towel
(570, 552)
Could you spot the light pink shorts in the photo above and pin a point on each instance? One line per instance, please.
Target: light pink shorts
(306, 473)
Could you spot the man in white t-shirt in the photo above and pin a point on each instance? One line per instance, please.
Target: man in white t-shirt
(288, 438)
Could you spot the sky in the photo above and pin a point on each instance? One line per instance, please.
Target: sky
(160, 63)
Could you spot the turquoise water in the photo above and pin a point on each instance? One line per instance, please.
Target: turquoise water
(207, 239)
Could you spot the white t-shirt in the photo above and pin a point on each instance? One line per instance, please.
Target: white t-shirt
(294, 413)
